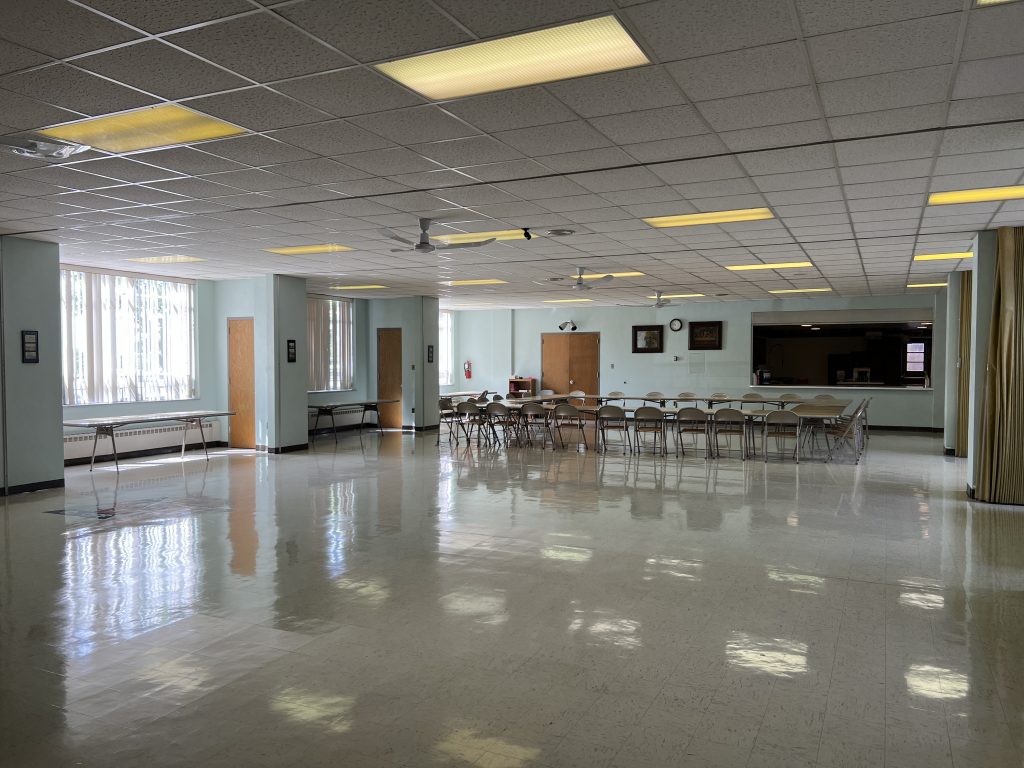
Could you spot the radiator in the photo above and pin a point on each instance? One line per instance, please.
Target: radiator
(78, 445)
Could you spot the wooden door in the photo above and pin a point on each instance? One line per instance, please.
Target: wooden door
(571, 361)
(585, 363)
(241, 383)
(389, 376)
(554, 362)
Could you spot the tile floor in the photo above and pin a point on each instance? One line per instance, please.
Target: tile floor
(385, 602)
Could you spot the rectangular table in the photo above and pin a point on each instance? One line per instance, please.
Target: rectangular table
(357, 406)
(108, 425)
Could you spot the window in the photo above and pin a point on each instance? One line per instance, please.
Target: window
(126, 339)
(331, 354)
(915, 357)
(444, 347)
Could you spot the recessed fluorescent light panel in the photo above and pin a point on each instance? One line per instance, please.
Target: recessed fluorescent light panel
(475, 282)
(943, 256)
(983, 195)
(558, 53)
(780, 265)
(302, 250)
(599, 275)
(472, 237)
(713, 217)
(167, 125)
(678, 296)
(566, 301)
(801, 290)
(166, 259)
(983, 3)
(355, 287)
(926, 285)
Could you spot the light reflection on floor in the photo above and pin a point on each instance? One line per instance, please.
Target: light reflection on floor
(384, 601)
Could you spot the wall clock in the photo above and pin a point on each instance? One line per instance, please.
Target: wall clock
(675, 324)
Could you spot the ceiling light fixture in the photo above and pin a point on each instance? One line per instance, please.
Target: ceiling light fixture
(472, 237)
(599, 275)
(943, 256)
(801, 290)
(926, 285)
(982, 195)
(565, 301)
(355, 287)
(558, 53)
(302, 250)
(678, 296)
(713, 217)
(983, 3)
(166, 125)
(166, 259)
(475, 282)
(779, 265)
(41, 150)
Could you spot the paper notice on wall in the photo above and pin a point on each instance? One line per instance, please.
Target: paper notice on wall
(697, 367)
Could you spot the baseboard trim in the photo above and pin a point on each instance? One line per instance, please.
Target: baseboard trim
(289, 448)
(880, 428)
(42, 485)
(970, 491)
(145, 452)
(433, 428)
(949, 451)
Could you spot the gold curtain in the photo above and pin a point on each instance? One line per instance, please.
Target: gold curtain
(963, 365)
(1001, 448)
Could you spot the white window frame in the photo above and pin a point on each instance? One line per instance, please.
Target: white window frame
(331, 351)
(117, 346)
(445, 348)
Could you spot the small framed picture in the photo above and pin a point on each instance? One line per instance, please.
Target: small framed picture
(648, 338)
(30, 346)
(706, 335)
(292, 353)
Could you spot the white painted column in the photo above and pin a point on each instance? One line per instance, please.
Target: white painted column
(952, 367)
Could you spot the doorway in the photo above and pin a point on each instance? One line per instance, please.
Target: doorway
(389, 376)
(241, 383)
(571, 361)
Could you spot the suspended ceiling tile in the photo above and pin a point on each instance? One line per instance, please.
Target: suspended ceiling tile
(354, 91)
(257, 109)
(163, 17)
(700, 27)
(157, 68)
(283, 50)
(375, 30)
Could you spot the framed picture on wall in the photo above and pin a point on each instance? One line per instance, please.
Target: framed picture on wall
(706, 335)
(648, 338)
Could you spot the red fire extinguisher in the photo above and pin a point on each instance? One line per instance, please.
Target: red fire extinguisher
(467, 368)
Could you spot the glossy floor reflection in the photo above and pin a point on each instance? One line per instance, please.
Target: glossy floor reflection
(386, 602)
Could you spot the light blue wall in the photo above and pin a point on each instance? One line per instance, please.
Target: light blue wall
(417, 317)
(32, 391)
(484, 337)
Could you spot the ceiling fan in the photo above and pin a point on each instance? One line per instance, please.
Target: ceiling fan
(580, 285)
(660, 302)
(425, 246)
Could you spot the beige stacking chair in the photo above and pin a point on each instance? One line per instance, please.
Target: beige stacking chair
(692, 422)
(648, 420)
(729, 421)
(612, 417)
(779, 426)
(566, 415)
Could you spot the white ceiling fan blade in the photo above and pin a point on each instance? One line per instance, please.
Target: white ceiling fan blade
(399, 238)
(399, 250)
(477, 244)
(604, 279)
